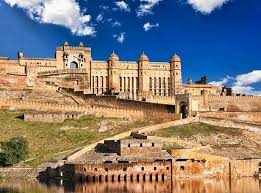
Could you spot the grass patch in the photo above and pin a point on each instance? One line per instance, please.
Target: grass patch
(172, 146)
(48, 139)
(185, 131)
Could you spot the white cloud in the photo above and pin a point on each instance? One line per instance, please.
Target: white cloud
(148, 26)
(242, 83)
(206, 6)
(146, 7)
(120, 38)
(99, 18)
(65, 13)
(104, 7)
(221, 82)
(122, 5)
(116, 24)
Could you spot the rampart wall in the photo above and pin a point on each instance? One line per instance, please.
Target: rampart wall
(228, 103)
(10, 66)
(246, 117)
(162, 99)
(87, 110)
(50, 117)
(114, 102)
(193, 164)
(13, 81)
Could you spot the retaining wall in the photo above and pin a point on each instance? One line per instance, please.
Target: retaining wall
(230, 103)
(20, 172)
(88, 110)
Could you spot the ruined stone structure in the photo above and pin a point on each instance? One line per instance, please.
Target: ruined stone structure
(135, 160)
(143, 160)
(49, 117)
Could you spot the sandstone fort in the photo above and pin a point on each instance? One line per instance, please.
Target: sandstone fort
(74, 71)
(72, 85)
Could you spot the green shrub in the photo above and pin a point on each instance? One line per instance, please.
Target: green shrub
(13, 151)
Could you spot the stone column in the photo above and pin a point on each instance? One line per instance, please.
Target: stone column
(134, 88)
(131, 89)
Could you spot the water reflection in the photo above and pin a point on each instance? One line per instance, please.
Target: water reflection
(244, 185)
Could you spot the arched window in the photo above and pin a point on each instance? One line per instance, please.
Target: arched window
(112, 178)
(150, 177)
(162, 177)
(74, 65)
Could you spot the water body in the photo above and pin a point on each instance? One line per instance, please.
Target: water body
(243, 185)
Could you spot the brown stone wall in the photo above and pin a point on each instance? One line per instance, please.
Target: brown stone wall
(11, 66)
(13, 81)
(130, 171)
(87, 110)
(130, 148)
(245, 168)
(20, 172)
(112, 101)
(228, 103)
(193, 164)
(249, 117)
(50, 117)
(139, 147)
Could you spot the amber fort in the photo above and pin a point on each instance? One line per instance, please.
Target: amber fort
(73, 84)
(73, 70)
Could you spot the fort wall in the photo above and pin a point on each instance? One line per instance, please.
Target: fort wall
(87, 110)
(50, 117)
(193, 164)
(11, 66)
(114, 102)
(246, 117)
(13, 81)
(228, 103)
(137, 171)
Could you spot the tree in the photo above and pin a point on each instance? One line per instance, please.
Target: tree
(13, 151)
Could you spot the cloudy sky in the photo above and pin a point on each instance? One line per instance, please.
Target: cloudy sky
(217, 38)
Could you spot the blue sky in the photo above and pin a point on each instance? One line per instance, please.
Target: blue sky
(217, 38)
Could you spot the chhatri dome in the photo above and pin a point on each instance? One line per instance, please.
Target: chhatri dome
(175, 58)
(143, 57)
(114, 56)
(81, 44)
(66, 44)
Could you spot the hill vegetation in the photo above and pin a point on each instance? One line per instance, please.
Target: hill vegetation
(51, 141)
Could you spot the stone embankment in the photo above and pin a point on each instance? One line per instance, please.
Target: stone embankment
(20, 172)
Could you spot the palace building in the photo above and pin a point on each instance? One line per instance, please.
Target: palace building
(74, 67)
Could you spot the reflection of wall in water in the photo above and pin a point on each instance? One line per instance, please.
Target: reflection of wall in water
(214, 185)
(129, 187)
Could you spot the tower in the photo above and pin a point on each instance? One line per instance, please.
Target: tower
(113, 69)
(73, 57)
(175, 75)
(142, 68)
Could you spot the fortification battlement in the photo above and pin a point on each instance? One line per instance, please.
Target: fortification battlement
(87, 110)
(225, 97)
(76, 48)
(64, 71)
